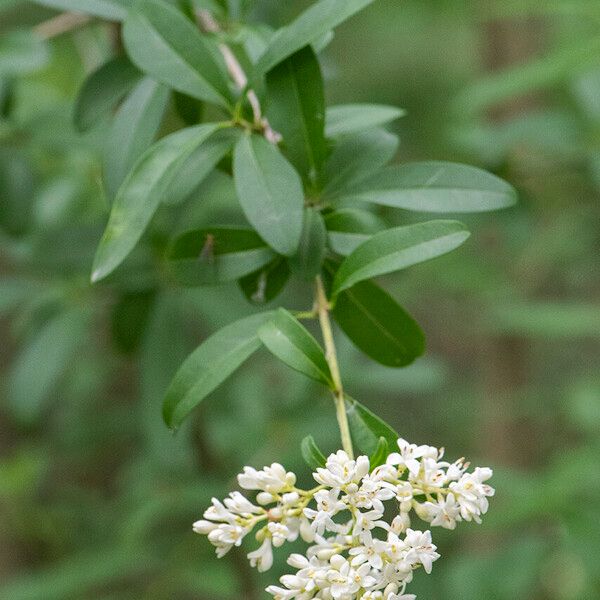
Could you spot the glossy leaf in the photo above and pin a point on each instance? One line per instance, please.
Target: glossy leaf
(141, 193)
(102, 90)
(306, 263)
(217, 255)
(378, 325)
(296, 110)
(356, 157)
(367, 428)
(165, 44)
(437, 187)
(307, 28)
(349, 118)
(289, 341)
(112, 10)
(209, 365)
(398, 248)
(311, 453)
(381, 453)
(133, 129)
(348, 228)
(266, 284)
(270, 192)
(22, 52)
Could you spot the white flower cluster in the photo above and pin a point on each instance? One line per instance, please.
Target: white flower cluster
(354, 554)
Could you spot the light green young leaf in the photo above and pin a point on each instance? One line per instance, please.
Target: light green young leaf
(309, 27)
(378, 325)
(112, 10)
(210, 364)
(306, 263)
(22, 52)
(133, 129)
(349, 118)
(367, 428)
(141, 193)
(270, 192)
(102, 90)
(437, 187)
(356, 157)
(217, 255)
(296, 110)
(162, 42)
(289, 341)
(348, 228)
(311, 453)
(397, 249)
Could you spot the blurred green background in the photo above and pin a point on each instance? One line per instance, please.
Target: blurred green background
(97, 498)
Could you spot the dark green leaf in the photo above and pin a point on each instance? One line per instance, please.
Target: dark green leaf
(378, 325)
(209, 365)
(270, 192)
(102, 90)
(398, 248)
(381, 453)
(133, 129)
(112, 10)
(289, 341)
(349, 118)
(306, 263)
(356, 157)
(189, 109)
(367, 428)
(264, 285)
(165, 44)
(141, 193)
(296, 110)
(22, 52)
(311, 453)
(216, 255)
(437, 187)
(348, 228)
(309, 27)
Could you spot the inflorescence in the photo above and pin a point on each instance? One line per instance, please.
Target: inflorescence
(354, 553)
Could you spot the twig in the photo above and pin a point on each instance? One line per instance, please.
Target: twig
(60, 24)
(210, 25)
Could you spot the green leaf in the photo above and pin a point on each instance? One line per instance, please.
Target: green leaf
(306, 263)
(296, 110)
(102, 90)
(311, 453)
(356, 157)
(289, 341)
(348, 228)
(112, 10)
(378, 325)
(141, 193)
(309, 27)
(367, 428)
(209, 365)
(133, 129)
(397, 249)
(165, 44)
(381, 453)
(266, 284)
(437, 187)
(349, 118)
(217, 255)
(270, 192)
(22, 52)
(200, 164)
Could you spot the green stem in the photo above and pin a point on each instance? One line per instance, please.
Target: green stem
(323, 307)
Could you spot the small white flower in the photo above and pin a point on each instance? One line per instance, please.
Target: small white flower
(421, 549)
(262, 558)
(273, 479)
(443, 513)
(340, 470)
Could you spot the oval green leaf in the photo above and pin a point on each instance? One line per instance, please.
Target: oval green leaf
(438, 187)
(397, 249)
(270, 192)
(209, 365)
(307, 262)
(289, 341)
(367, 428)
(348, 228)
(349, 118)
(311, 453)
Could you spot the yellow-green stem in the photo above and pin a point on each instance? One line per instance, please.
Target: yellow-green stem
(322, 306)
